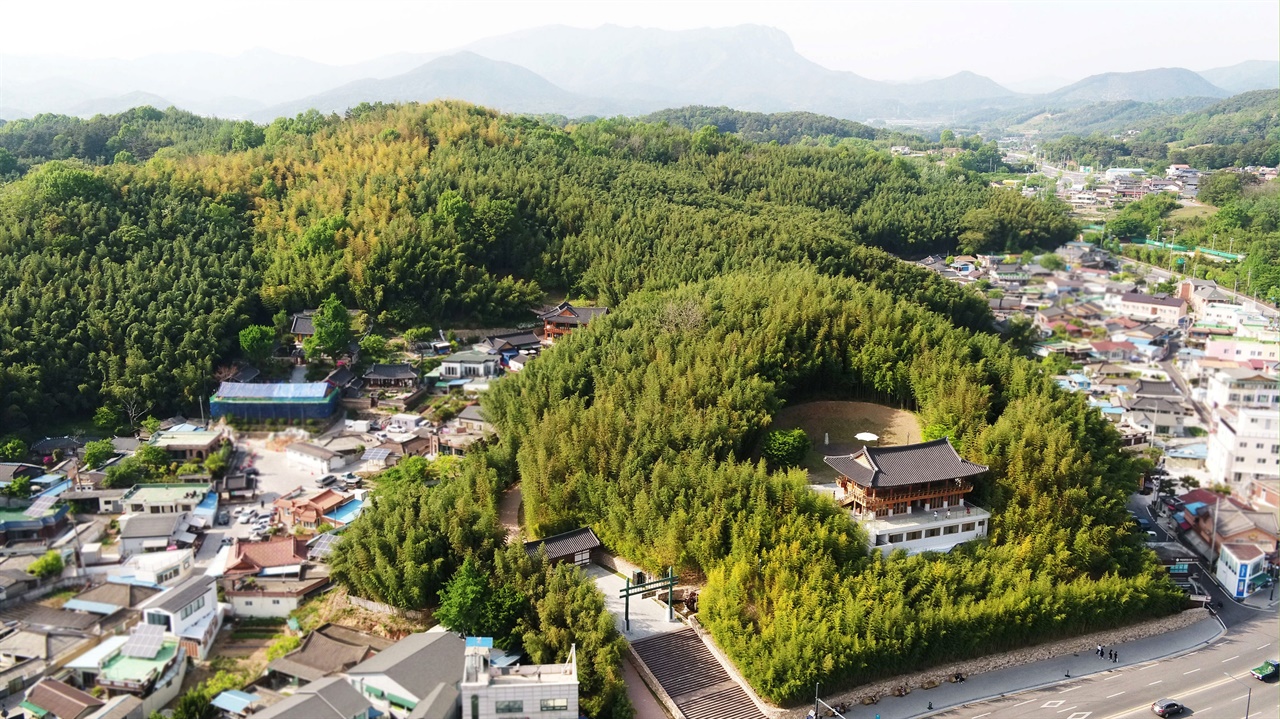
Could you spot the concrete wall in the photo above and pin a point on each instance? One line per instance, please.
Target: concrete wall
(260, 606)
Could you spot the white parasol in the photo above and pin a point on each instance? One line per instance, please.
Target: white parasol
(866, 437)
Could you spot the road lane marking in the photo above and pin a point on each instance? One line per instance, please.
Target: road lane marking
(1064, 691)
(1224, 661)
(1112, 696)
(1158, 681)
(1073, 706)
(1080, 715)
(1015, 706)
(1242, 696)
(981, 715)
(1193, 671)
(1264, 646)
(1206, 710)
(1110, 678)
(1053, 704)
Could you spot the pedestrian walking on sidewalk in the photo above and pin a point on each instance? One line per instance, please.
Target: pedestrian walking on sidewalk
(1099, 650)
(1115, 657)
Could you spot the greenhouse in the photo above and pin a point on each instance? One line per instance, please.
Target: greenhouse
(279, 401)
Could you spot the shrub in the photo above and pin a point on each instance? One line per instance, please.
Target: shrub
(785, 448)
(48, 565)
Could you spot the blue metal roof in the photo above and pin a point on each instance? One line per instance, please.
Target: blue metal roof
(234, 701)
(278, 390)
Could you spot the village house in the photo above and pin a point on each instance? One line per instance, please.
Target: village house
(141, 533)
(21, 534)
(1157, 415)
(152, 677)
(1113, 351)
(330, 698)
(911, 497)
(188, 611)
(195, 444)
(308, 511)
(116, 603)
(564, 318)
(328, 650)
(314, 459)
(548, 691)
(57, 700)
(1160, 308)
(271, 578)
(417, 675)
(397, 376)
(301, 326)
(575, 546)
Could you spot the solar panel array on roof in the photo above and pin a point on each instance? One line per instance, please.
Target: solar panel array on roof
(278, 390)
(145, 641)
(322, 546)
(376, 455)
(40, 506)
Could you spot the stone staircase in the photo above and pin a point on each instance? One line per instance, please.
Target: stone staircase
(692, 677)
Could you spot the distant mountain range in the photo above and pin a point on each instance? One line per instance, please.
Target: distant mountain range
(571, 71)
(1143, 86)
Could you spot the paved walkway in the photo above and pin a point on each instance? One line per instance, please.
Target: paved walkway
(648, 616)
(1030, 676)
(509, 510)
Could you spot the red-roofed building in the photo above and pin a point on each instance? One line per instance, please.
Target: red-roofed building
(309, 511)
(249, 558)
(271, 578)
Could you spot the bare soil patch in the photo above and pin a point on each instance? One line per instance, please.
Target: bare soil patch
(833, 426)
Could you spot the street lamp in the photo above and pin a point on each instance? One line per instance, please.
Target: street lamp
(1248, 697)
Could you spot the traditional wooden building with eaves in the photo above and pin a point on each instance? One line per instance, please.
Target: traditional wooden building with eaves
(911, 497)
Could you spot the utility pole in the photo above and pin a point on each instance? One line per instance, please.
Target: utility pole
(1248, 700)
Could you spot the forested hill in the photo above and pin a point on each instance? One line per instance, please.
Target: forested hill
(135, 134)
(782, 127)
(124, 282)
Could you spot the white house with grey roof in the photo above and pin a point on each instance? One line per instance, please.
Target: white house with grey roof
(415, 677)
(188, 611)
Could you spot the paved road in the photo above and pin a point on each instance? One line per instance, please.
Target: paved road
(1213, 681)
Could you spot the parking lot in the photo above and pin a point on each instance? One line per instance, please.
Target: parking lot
(276, 478)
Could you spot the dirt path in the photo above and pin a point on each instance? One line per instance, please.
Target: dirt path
(509, 510)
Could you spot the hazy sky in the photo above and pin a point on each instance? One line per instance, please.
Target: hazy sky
(900, 40)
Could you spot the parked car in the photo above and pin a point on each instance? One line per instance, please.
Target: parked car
(1145, 524)
(1166, 708)
(245, 518)
(227, 542)
(326, 480)
(224, 518)
(1266, 670)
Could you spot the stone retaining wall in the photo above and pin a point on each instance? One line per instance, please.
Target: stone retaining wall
(1075, 645)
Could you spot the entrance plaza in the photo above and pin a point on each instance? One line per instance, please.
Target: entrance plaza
(648, 615)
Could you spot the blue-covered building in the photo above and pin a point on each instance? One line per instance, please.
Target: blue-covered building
(279, 401)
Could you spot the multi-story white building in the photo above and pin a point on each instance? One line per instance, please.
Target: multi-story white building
(547, 691)
(1153, 308)
(188, 611)
(1242, 387)
(1244, 446)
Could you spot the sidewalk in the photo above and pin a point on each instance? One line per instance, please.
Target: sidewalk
(979, 687)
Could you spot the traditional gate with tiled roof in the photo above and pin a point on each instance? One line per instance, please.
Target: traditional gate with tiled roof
(690, 674)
